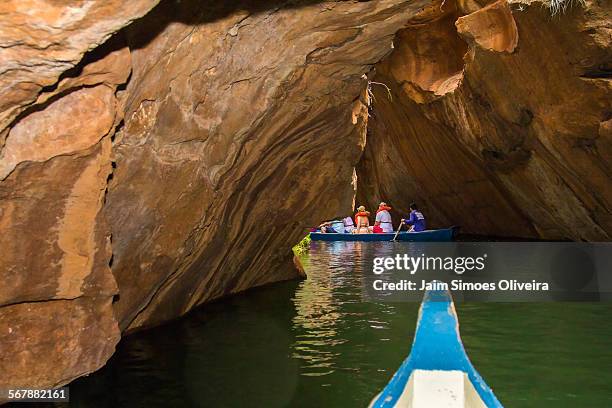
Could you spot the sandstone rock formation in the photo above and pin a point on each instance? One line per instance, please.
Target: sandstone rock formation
(146, 168)
(227, 111)
(237, 122)
(56, 123)
(41, 40)
(512, 143)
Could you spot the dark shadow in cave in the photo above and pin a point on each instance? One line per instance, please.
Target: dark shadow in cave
(198, 12)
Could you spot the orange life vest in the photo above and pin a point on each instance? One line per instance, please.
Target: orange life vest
(361, 214)
(383, 208)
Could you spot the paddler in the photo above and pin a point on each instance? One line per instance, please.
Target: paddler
(416, 221)
(383, 217)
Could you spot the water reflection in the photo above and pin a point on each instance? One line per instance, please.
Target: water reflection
(322, 343)
(324, 315)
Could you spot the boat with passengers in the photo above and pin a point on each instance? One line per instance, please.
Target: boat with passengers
(436, 235)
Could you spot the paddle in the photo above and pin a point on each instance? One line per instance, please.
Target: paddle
(398, 230)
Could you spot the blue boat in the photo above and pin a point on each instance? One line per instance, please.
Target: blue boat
(437, 372)
(438, 235)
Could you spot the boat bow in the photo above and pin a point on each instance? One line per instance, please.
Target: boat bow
(438, 365)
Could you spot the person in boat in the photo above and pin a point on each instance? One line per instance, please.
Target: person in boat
(416, 221)
(327, 227)
(349, 225)
(362, 223)
(383, 218)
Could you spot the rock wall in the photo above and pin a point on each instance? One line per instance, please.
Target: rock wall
(170, 164)
(499, 122)
(151, 164)
(58, 114)
(242, 128)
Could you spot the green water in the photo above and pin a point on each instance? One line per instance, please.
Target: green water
(318, 343)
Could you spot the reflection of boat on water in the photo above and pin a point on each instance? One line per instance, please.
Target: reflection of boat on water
(438, 372)
(438, 235)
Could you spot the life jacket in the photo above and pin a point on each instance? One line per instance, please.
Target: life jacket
(360, 214)
(377, 229)
(383, 208)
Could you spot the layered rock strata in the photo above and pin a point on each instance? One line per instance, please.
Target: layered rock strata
(499, 122)
(150, 165)
(186, 154)
(59, 110)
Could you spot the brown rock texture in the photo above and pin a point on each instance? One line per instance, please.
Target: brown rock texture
(520, 145)
(150, 165)
(58, 113)
(491, 28)
(226, 112)
(238, 121)
(59, 341)
(40, 40)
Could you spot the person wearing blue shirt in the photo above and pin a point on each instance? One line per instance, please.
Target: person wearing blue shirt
(416, 220)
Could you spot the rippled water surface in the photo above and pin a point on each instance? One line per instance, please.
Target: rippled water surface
(318, 343)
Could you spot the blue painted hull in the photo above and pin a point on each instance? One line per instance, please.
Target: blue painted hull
(439, 235)
(437, 346)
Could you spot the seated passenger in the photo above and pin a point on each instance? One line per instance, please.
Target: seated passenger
(383, 218)
(338, 226)
(326, 228)
(416, 220)
(349, 225)
(361, 221)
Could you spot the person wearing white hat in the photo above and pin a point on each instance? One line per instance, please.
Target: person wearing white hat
(383, 217)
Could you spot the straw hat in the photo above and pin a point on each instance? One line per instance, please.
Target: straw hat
(361, 208)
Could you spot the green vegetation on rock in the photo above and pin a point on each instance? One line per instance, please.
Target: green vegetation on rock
(303, 246)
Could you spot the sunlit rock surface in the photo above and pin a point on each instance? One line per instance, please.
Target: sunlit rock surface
(58, 113)
(40, 40)
(56, 315)
(242, 128)
(150, 165)
(519, 145)
(187, 153)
